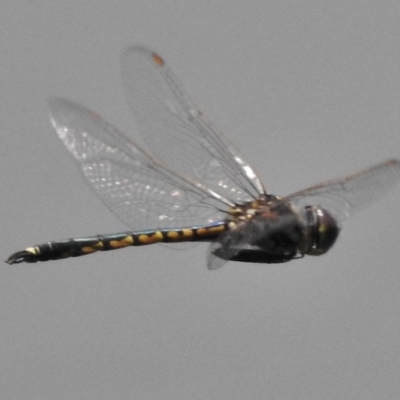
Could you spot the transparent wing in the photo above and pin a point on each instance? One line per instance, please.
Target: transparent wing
(178, 133)
(213, 261)
(224, 248)
(134, 185)
(344, 197)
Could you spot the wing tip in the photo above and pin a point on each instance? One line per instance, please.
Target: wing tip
(136, 52)
(393, 162)
(60, 105)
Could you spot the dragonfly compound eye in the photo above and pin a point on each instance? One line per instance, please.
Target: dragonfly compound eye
(322, 231)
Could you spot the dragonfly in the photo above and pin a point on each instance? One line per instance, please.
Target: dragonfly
(194, 185)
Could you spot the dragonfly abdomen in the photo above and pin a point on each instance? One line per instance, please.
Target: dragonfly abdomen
(81, 246)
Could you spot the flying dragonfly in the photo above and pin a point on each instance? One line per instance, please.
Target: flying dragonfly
(194, 186)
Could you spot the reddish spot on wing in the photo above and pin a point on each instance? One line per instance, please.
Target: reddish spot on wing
(158, 59)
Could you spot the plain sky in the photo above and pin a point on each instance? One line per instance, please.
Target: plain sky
(309, 90)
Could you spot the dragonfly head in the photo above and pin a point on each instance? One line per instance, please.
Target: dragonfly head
(321, 231)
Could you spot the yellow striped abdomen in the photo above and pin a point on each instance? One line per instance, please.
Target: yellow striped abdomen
(82, 246)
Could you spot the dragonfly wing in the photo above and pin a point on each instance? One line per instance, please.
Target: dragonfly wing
(228, 245)
(177, 131)
(136, 188)
(344, 197)
(213, 261)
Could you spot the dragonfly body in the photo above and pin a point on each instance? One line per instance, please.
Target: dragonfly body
(194, 180)
(265, 231)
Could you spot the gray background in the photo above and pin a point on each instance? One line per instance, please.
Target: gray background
(310, 90)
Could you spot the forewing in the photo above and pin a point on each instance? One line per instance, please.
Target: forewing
(134, 186)
(177, 132)
(344, 197)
